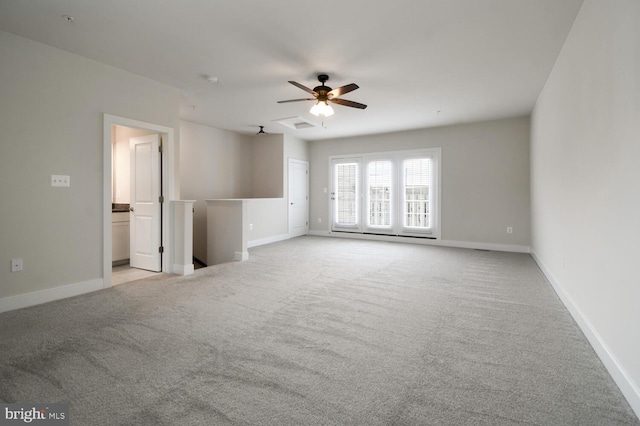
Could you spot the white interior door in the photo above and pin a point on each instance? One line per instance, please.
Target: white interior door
(145, 203)
(298, 198)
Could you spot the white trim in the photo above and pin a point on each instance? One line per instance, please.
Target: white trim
(426, 241)
(168, 184)
(267, 240)
(182, 269)
(49, 295)
(239, 256)
(182, 236)
(397, 158)
(482, 246)
(629, 389)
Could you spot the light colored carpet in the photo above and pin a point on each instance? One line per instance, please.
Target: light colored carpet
(317, 331)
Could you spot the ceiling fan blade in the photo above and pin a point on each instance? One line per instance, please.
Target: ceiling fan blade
(306, 89)
(348, 103)
(297, 100)
(342, 90)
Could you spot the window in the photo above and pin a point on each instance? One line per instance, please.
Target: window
(399, 194)
(379, 193)
(345, 194)
(417, 178)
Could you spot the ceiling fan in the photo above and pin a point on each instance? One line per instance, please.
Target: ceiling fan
(324, 94)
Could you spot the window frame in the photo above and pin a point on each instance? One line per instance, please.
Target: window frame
(367, 196)
(357, 226)
(413, 230)
(397, 227)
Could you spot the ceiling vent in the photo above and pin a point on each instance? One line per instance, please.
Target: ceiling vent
(295, 123)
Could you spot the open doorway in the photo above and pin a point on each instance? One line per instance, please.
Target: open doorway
(130, 231)
(130, 177)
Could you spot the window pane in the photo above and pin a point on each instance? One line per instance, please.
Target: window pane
(346, 193)
(417, 176)
(379, 191)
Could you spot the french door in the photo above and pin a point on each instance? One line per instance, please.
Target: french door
(392, 193)
(346, 195)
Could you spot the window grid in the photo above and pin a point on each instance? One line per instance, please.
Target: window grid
(379, 182)
(394, 193)
(417, 175)
(346, 183)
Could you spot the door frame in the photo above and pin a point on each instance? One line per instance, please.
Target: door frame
(168, 177)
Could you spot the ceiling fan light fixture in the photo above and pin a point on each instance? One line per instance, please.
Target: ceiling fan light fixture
(322, 108)
(323, 94)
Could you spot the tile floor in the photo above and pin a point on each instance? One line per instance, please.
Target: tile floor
(125, 274)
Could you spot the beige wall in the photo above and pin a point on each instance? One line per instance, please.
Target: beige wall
(52, 106)
(484, 179)
(585, 175)
(266, 166)
(218, 164)
(213, 164)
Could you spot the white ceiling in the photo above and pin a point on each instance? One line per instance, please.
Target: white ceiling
(419, 63)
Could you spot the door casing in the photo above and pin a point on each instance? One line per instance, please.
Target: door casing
(168, 179)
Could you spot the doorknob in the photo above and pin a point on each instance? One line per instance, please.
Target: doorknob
(130, 209)
(291, 203)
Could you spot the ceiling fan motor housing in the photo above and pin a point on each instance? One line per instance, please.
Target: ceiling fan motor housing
(322, 90)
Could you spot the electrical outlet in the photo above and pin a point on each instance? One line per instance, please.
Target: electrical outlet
(16, 265)
(60, 180)
(509, 230)
(251, 227)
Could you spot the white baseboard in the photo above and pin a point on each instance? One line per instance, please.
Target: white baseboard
(183, 269)
(629, 389)
(268, 240)
(49, 295)
(484, 246)
(240, 255)
(426, 241)
(319, 233)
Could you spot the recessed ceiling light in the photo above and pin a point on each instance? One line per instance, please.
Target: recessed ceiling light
(212, 80)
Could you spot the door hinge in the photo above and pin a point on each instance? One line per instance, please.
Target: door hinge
(160, 148)
(161, 249)
(161, 199)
